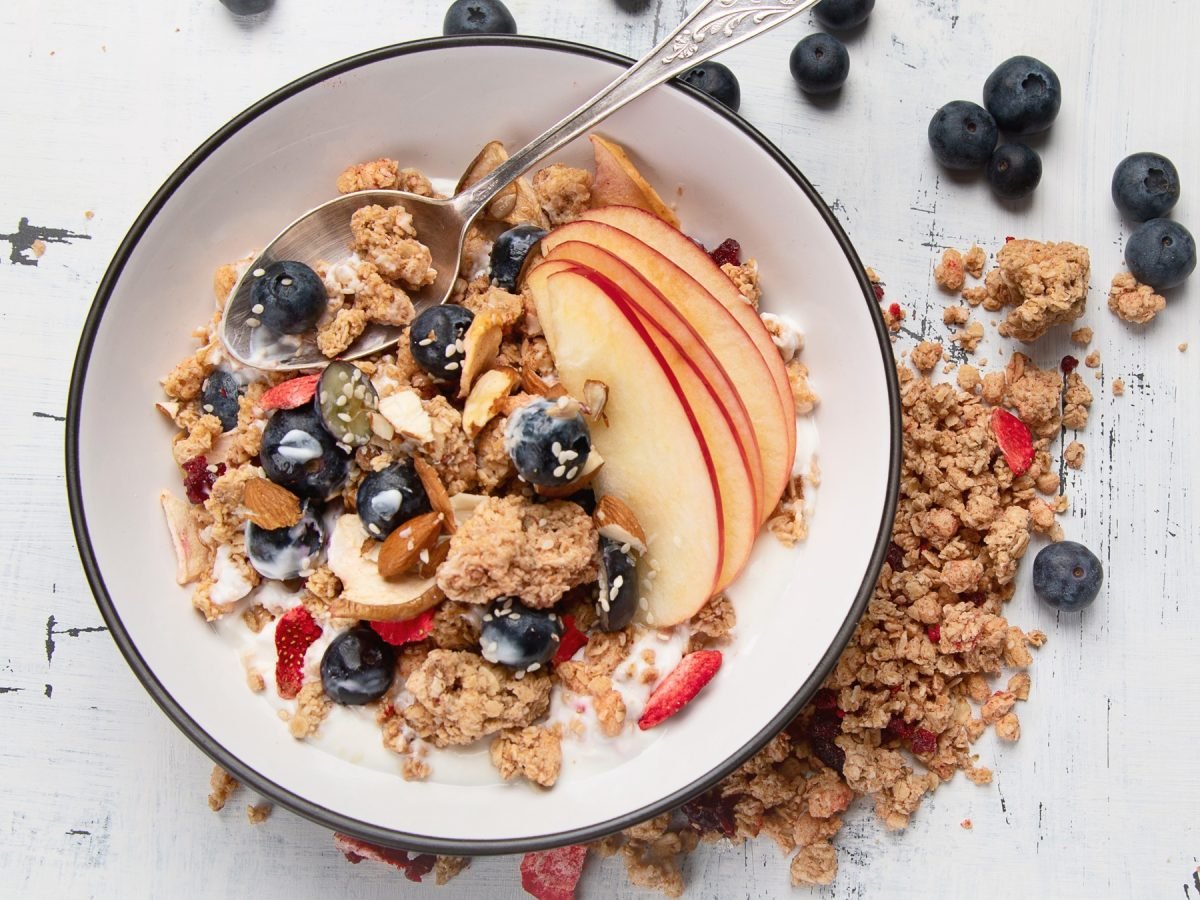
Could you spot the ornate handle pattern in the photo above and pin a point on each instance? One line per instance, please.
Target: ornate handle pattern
(727, 20)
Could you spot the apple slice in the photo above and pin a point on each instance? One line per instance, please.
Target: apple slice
(655, 456)
(720, 330)
(617, 180)
(730, 458)
(691, 258)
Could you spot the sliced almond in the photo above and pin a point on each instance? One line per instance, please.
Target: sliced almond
(439, 499)
(381, 426)
(366, 594)
(595, 397)
(481, 342)
(192, 556)
(168, 408)
(590, 469)
(434, 557)
(403, 547)
(428, 596)
(406, 413)
(533, 383)
(616, 521)
(270, 506)
(487, 397)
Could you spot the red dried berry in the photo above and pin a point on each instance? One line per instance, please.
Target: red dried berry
(1068, 364)
(399, 633)
(934, 633)
(1016, 443)
(198, 480)
(712, 812)
(294, 634)
(728, 251)
(877, 286)
(1008, 239)
(898, 727)
(895, 557)
(553, 874)
(414, 867)
(825, 699)
(572, 640)
(823, 729)
(679, 688)
(977, 597)
(895, 311)
(290, 394)
(924, 741)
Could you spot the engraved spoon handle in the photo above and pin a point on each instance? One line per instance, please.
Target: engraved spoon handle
(714, 26)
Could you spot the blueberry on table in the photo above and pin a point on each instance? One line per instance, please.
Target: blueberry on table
(219, 397)
(358, 667)
(548, 441)
(247, 7)
(390, 497)
(1145, 186)
(299, 454)
(517, 636)
(1161, 253)
(508, 254)
(1023, 95)
(842, 14)
(284, 553)
(819, 63)
(435, 338)
(716, 80)
(618, 596)
(478, 17)
(1014, 171)
(345, 400)
(1067, 575)
(963, 135)
(288, 297)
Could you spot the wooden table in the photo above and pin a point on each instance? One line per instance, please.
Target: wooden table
(1101, 798)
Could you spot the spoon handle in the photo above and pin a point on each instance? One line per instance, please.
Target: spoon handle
(713, 27)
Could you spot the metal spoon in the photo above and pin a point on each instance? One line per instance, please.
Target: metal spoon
(324, 232)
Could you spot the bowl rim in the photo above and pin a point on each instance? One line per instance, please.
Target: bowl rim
(278, 793)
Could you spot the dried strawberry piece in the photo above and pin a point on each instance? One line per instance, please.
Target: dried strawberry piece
(895, 311)
(677, 690)
(290, 394)
(553, 874)
(924, 741)
(728, 251)
(934, 633)
(414, 867)
(398, 633)
(877, 287)
(571, 641)
(198, 480)
(712, 811)
(294, 634)
(1016, 443)
(1069, 364)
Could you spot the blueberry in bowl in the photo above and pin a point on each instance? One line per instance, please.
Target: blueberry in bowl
(716, 80)
(390, 497)
(518, 636)
(509, 253)
(963, 135)
(300, 455)
(616, 601)
(285, 553)
(1145, 186)
(435, 340)
(219, 397)
(548, 442)
(358, 667)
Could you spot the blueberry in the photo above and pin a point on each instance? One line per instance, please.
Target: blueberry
(820, 63)
(717, 81)
(478, 17)
(247, 7)
(1014, 170)
(617, 600)
(1145, 186)
(358, 667)
(548, 441)
(509, 252)
(1023, 95)
(283, 553)
(345, 400)
(518, 637)
(1161, 253)
(841, 14)
(219, 397)
(390, 497)
(1067, 575)
(432, 335)
(299, 454)
(288, 297)
(962, 135)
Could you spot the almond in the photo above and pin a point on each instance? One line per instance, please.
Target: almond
(480, 343)
(533, 383)
(405, 412)
(436, 491)
(616, 521)
(270, 506)
(403, 548)
(590, 469)
(428, 567)
(595, 398)
(487, 397)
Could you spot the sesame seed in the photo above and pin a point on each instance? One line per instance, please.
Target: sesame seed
(555, 637)
(324, 397)
(252, 323)
(450, 367)
(552, 617)
(212, 469)
(572, 473)
(642, 602)
(341, 401)
(423, 556)
(373, 528)
(568, 455)
(604, 602)
(559, 471)
(208, 407)
(257, 309)
(519, 674)
(649, 618)
(534, 667)
(286, 282)
(514, 615)
(348, 390)
(563, 401)
(462, 348)
(360, 391)
(259, 273)
(425, 343)
(345, 417)
(451, 349)
(625, 548)
(556, 448)
(487, 617)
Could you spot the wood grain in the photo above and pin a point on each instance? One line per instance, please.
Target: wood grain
(103, 797)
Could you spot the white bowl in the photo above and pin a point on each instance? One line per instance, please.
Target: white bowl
(432, 104)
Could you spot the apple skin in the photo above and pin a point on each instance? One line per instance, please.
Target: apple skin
(656, 459)
(680, 249)
(720, 329)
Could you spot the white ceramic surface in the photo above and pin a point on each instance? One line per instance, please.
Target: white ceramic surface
(432, 108)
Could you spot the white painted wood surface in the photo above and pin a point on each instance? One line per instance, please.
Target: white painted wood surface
(103, 797)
